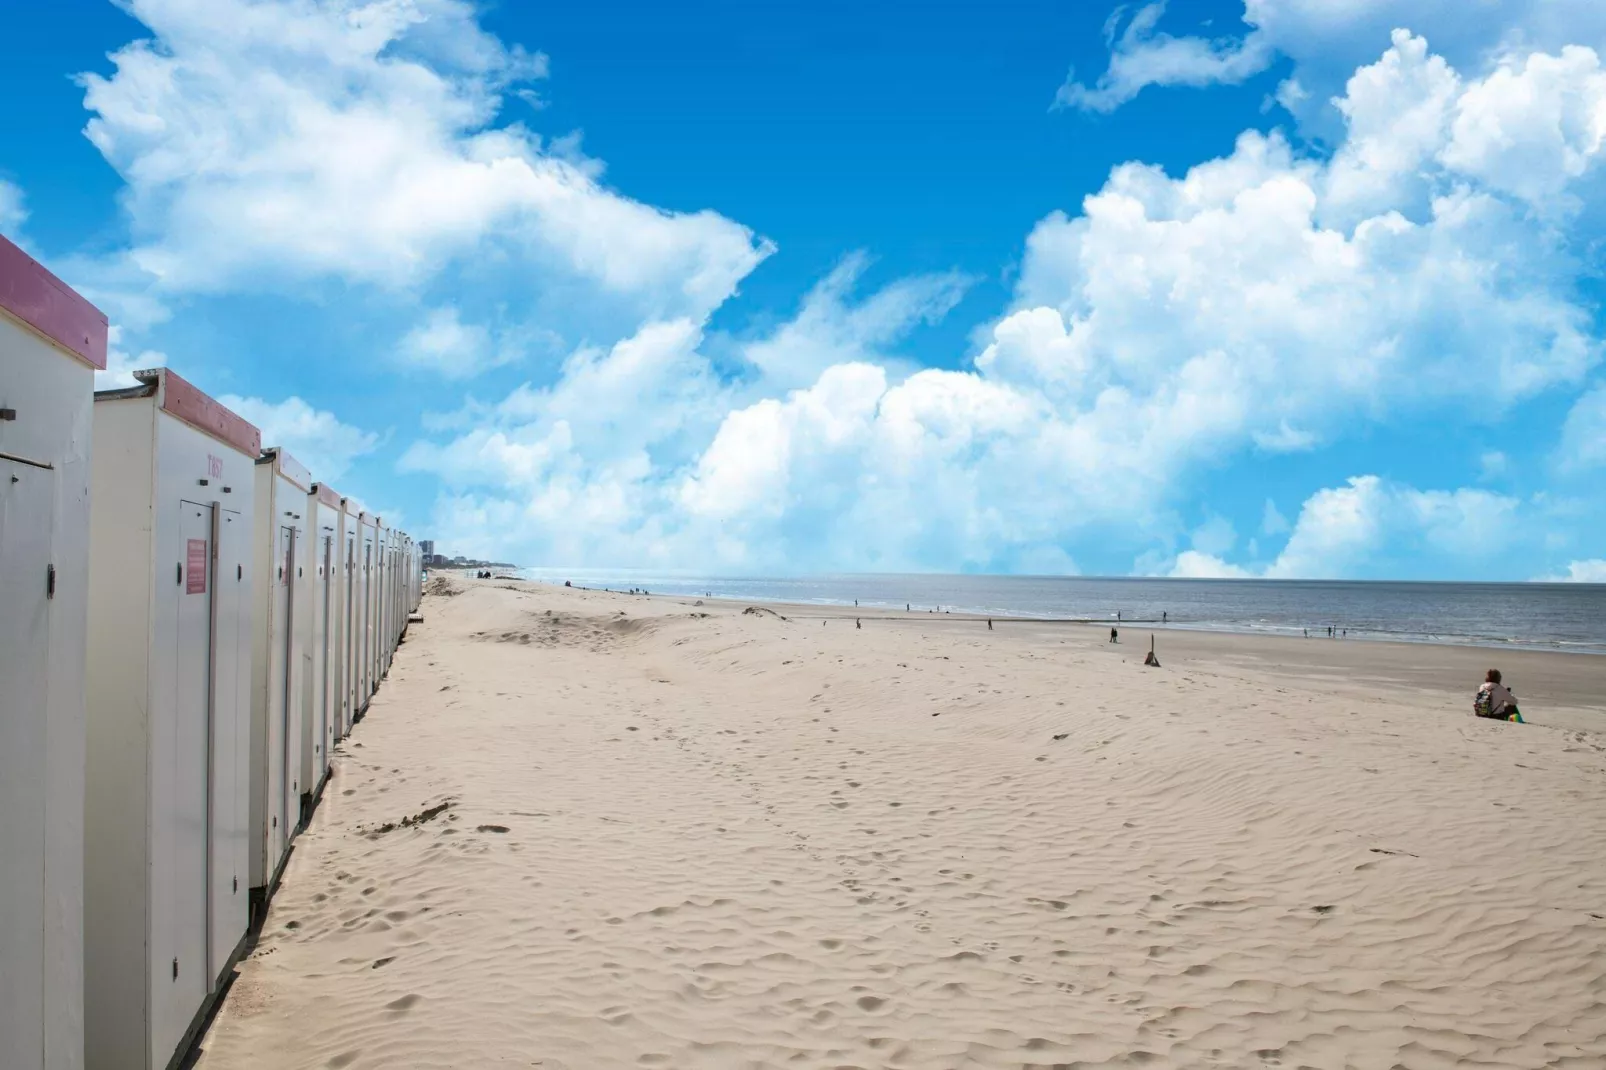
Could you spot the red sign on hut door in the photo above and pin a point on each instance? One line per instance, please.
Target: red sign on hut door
(195, 566)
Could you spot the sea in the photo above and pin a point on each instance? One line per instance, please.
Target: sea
(1567, 617)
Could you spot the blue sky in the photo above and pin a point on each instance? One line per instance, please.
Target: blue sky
(1250, 287)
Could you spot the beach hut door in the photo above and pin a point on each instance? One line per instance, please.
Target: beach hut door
(348, 664)
(286, 596)
(325, 726)
(231, 654)
(26, 511)
(186, 831)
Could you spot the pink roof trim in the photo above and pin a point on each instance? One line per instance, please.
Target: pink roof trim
(200, 411)
(326, 494)
(292, 469)
(51, 307)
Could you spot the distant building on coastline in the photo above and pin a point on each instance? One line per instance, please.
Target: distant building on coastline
(430, 559)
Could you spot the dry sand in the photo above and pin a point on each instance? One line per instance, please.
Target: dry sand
(689, 836)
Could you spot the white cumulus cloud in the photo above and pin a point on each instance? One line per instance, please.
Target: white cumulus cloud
(1372, 528)
(1267, 300)
(1198, 565)
(830, 328)
(1590, 571)
(1141, 56)
(314, 437)
(1325, 40)
(358, 138)
(121, 365)
(443, 344)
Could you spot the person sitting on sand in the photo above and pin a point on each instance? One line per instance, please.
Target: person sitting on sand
(1494, 700)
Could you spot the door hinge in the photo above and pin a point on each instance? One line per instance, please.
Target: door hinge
(180, 572)
(239, 573)
(236, 884)
(50, 581)
(175, 969)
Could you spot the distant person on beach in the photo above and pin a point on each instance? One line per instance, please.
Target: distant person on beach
(1495, 701)
(1115, 636)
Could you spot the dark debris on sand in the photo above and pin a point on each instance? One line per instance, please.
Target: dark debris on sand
(427, 814)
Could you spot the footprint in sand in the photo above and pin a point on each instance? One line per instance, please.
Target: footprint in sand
(406, 1003)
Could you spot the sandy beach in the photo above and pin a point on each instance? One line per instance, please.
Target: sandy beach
(580, 830)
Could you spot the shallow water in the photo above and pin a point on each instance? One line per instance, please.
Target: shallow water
(1553, 616)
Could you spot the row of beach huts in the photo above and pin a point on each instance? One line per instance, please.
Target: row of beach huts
(188, 624)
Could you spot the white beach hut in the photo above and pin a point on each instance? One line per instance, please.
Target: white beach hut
(365, 626)
(417, 572)
(377, 613)
(381, 600)
(388, 610)
(51, 342)
(166, 865)
(321, 630)
(279, 661)
(409, 572)
(351, 614)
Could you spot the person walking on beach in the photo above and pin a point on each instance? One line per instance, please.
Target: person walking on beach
(1495, 701)
(1115, 636)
